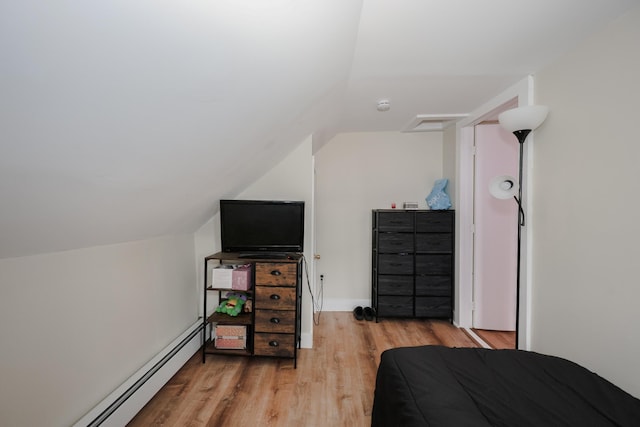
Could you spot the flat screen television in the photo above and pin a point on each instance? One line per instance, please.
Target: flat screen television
(261, 226)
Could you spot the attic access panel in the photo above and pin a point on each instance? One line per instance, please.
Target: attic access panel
(432, 122)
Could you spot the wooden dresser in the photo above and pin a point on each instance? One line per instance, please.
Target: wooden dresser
(276, 309)
(273, 326)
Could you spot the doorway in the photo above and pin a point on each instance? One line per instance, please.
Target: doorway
(519, 94)
(495, 226)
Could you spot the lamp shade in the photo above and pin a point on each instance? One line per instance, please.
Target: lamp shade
(503, 187)
(523, 118)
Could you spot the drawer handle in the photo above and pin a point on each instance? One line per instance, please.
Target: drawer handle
(275, 297)
(276, 273)
(274, 343)
(396, 264)
(275, 320)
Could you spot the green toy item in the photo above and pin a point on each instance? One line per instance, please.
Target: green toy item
(233, 303)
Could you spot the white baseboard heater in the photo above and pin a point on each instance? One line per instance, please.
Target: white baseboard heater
(117, 409)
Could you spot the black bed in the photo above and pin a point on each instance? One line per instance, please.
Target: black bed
(441, 386)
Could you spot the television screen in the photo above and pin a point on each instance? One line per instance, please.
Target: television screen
(261, 226)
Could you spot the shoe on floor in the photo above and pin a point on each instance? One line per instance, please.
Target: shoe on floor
(368, 313)
(358, 313)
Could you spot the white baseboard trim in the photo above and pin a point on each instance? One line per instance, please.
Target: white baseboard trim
(306, 340)
(125, 411)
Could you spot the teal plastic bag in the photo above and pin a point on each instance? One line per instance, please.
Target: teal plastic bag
(438, 199)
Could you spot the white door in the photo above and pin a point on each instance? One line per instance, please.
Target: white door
(496, 231)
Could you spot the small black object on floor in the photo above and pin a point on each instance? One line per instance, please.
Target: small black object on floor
(365, 313)
(369, 313)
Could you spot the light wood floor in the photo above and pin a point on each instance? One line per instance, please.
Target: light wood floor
(497, 339)
(332, 386)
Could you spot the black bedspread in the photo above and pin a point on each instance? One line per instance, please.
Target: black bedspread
(440, 386)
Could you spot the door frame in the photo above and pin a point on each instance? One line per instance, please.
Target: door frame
(520, 94)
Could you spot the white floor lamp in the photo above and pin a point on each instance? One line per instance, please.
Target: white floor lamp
(520, 121)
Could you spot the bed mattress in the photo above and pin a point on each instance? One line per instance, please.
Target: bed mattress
(441, 386)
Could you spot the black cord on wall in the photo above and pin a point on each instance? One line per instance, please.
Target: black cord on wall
(316, 300)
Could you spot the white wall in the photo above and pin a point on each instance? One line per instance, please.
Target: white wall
(355, 173)
(449, 161)
(291, 179)
(74, 325)
(585, 210)
(207, 242)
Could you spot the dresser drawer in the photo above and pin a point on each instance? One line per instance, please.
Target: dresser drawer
(280, 345)
(395, 242)
(434, 264)
(277, 321)
(276, 274)
(395, 221)
(395, 306)
(275, 298)
(433, 285)
(434, 242)
(433, 307)
(395, 264)
(434, 221)
(395, 285)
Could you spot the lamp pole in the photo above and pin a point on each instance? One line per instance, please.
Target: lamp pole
(521, 135)
(521, 121)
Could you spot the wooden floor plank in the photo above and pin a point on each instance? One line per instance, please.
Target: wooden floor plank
(333, 384)
(497, 339)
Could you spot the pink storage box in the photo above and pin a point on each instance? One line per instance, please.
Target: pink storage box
(241, 278)
(237, 343)
(231, 337)
(231, 330)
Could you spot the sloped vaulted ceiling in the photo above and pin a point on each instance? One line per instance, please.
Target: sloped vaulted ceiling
(128, 119)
